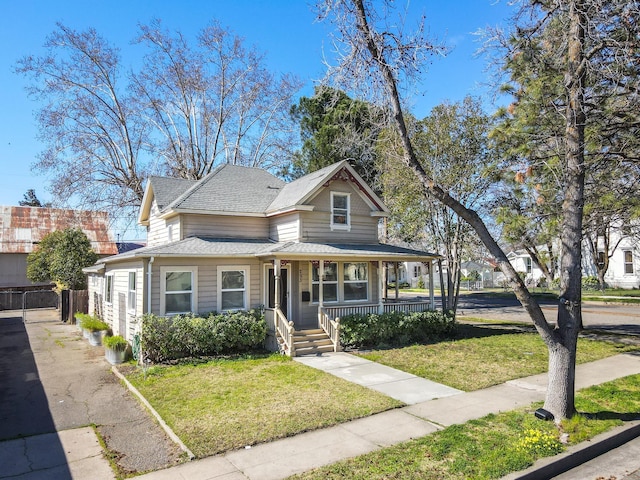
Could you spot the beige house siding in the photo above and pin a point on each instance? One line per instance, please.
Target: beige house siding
(157, 230)
(117, 313)
(207, 280)
(285, 228)
(316, 228)
(223, 226)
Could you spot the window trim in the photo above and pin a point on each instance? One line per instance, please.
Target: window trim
(132, 308)
(108, 288)
(247, 286)
(626, 264)
(163, 287)
(340, 282)
(344, 300)
(341, 226)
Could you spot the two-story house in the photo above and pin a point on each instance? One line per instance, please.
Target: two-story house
(240, 238)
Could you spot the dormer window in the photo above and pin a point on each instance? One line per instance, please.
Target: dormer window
(340, 214)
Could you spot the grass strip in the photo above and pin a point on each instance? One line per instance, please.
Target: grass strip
(221, 405)
(495, 445)
(484, 357)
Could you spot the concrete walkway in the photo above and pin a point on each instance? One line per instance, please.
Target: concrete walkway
(279, 459)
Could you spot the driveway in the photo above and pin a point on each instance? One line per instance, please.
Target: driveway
(614, 318)
(53, 381)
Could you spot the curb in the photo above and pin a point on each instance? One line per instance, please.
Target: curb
(578, 454)
(157, 416)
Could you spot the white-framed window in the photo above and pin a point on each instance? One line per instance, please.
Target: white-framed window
(356, 281)
(628, 262)
(340, 211)
(527, 264)
(417, 271)
(108, 288)
(342, 282)
(233, 287)
(178, 290)
(329, 283)
(131, 298)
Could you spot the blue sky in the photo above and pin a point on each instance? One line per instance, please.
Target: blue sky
(284, 29)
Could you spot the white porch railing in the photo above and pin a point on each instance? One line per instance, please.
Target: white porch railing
(284, 329)
(407, 307)
(331, 326)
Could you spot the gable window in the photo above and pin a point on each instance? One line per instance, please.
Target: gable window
(340, 214)
(527, 263)
(233, 288)
(131, 300)
(356, 283)
(178, 289)
(329, 282)
(108, 288)
(628, 262)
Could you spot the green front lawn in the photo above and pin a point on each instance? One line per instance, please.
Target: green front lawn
(222, 405)
(484, 357)
(493, 446)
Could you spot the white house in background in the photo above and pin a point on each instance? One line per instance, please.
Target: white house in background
(624, 264)
(523, 263)
(306, 251)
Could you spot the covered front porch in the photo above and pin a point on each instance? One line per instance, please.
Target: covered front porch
(307, 293)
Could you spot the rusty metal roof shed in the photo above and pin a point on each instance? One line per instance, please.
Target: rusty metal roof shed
(22, 228)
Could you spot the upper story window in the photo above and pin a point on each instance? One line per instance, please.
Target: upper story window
(340, 211)
(628, 262)
(527, 263)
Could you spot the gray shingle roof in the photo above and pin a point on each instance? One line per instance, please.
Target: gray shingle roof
(231, 188)
(224, 247)
(167, 189)
(296, 191)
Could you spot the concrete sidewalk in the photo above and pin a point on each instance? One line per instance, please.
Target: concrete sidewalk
(279, 459)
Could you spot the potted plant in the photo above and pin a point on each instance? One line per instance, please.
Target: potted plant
(80, 317)
(95, 328)
(115, 349)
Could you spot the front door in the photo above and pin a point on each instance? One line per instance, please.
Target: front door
(284, 290)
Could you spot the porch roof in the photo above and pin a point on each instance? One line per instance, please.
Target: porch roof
(267, 249)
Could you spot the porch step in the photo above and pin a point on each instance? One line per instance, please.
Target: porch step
(308, 342)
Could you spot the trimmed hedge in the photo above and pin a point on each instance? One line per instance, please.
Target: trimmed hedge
(171, 338)
(395, 328)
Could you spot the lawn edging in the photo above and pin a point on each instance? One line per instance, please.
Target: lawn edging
(157, 416)
(575, 455)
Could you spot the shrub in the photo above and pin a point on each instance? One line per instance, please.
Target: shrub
(591, 283)
(171, 338)
(394, 328)
(420, 283)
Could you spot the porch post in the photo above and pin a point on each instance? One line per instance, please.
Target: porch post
(395, 269)
(276, 283)
(431, 292)
(444, 298)
(380, 291)
(320, 284)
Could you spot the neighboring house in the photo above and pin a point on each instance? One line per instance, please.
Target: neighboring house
(624, 262)
(240, 238)
(523, 263)
(22, 228)
(484, 268)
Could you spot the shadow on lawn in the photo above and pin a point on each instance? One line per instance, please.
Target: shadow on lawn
(607, 415)
(481, 331)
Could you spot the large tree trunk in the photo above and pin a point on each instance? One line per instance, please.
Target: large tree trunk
(562, 351)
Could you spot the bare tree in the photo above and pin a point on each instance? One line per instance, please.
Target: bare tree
(373, 49)
(213, 103)
(93, 137)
